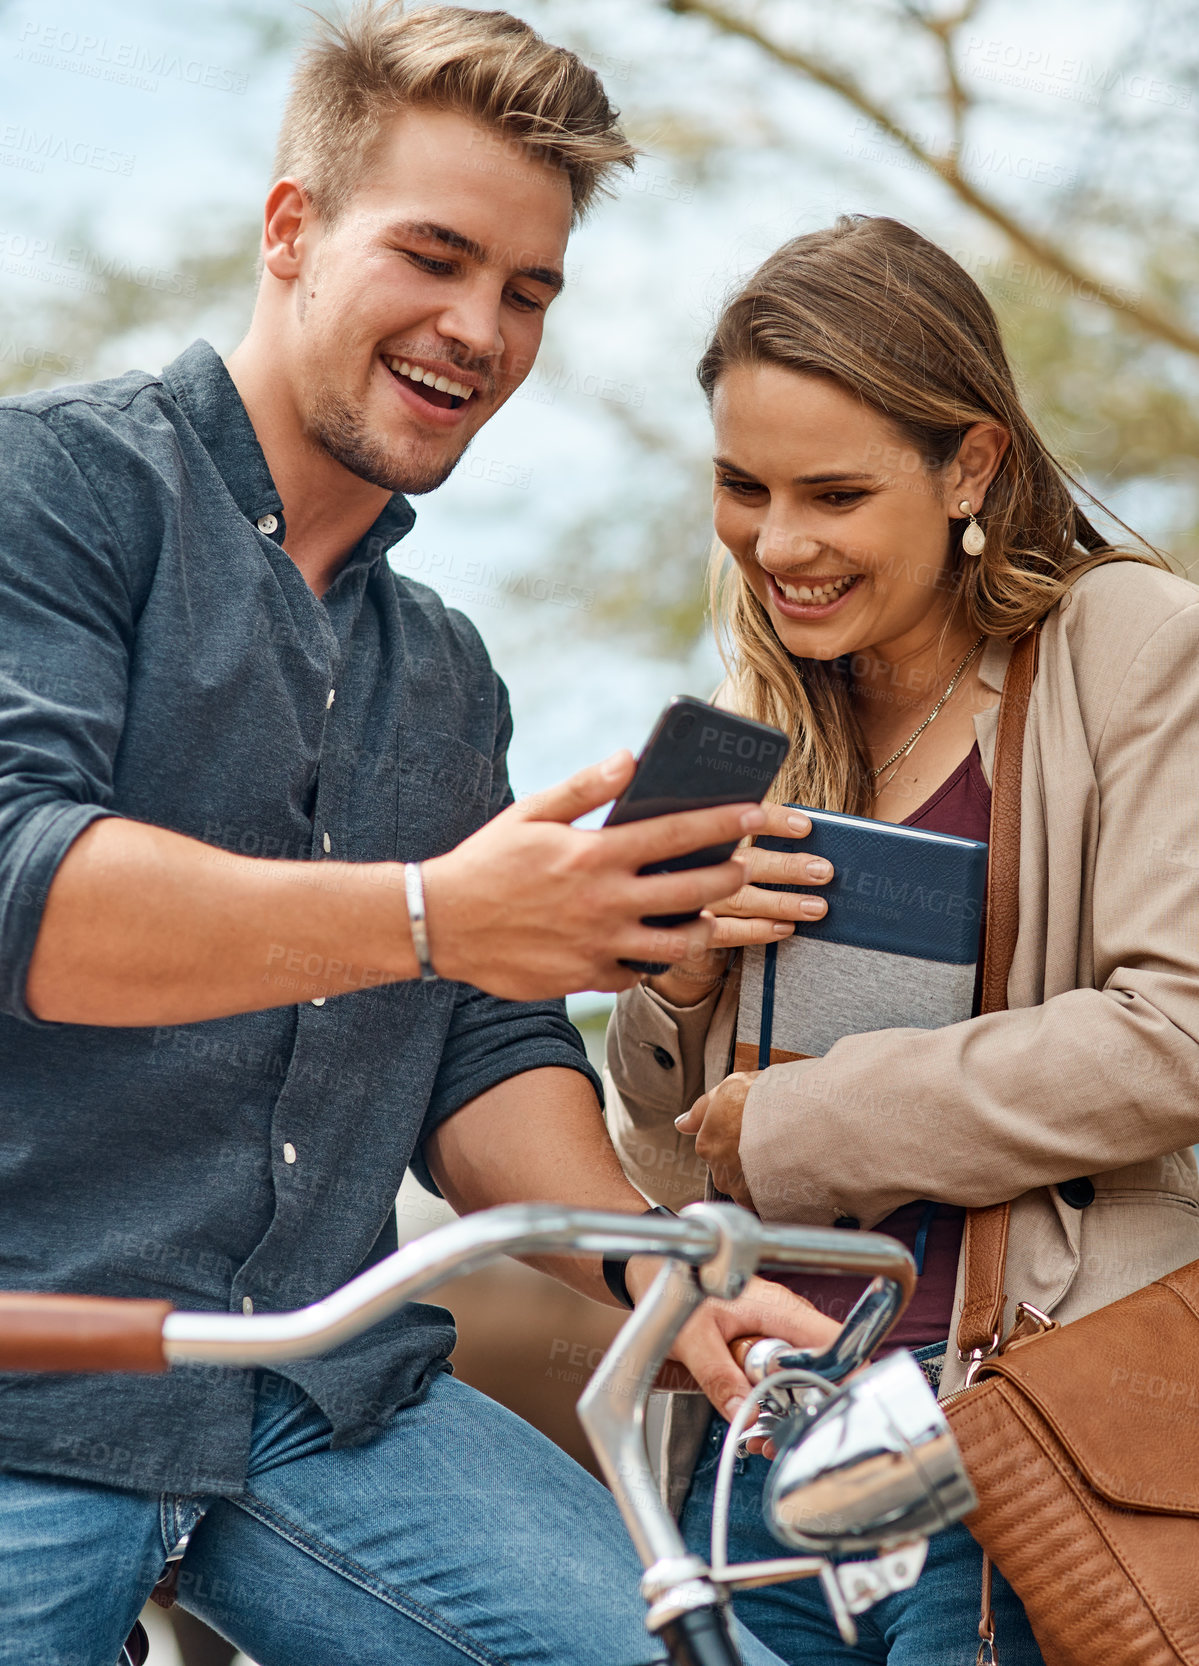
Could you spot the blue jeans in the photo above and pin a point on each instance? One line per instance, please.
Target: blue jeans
(458, 1534)
(933, 1624)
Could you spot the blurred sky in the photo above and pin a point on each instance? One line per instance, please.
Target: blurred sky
(144, 129)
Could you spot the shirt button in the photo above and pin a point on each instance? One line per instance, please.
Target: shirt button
(849, 1223)
(318, 1000)
(289, 1152)
(329, 701)
(1079, 1194)
(328, 844)
(247, 1306)
(268, 524)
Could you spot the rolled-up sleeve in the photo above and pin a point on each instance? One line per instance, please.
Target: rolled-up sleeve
(490, 1040)
(66, 632)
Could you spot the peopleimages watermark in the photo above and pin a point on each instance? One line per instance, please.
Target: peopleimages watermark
(123, 62)
(890, 897)
(608, 67)
(1043, 70)
(30, 148)
(544, 386)
(497, 471)
(75, 266)
(870, 141)
(664, 186)
(1036, 285)
(30, 356)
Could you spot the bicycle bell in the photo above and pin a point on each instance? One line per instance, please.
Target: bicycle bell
(876, 1464)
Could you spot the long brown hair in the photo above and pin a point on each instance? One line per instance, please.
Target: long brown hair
(895, 321)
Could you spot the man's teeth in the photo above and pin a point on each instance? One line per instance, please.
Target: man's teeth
(417, 373)
(818, 594)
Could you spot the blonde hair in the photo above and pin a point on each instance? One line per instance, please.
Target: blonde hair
(487, 65)
(898, 324)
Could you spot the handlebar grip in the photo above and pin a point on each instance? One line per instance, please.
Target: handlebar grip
(80, 1333)
(740, 1345)
(675, 1378)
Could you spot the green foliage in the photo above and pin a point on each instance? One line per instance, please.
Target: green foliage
(1115, 400)
(1112, 407)
(1107, 365)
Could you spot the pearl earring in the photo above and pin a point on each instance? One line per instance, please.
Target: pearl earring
(974, 539)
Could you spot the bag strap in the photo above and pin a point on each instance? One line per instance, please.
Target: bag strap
(986, 1230)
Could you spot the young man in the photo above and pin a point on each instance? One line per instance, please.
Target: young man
(226, 727)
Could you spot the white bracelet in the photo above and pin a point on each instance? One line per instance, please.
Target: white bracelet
(414, 890)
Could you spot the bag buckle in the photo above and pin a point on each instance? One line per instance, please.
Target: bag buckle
(975, 1359)
(1030, 1322)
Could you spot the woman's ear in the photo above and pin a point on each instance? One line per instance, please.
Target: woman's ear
(974, 467)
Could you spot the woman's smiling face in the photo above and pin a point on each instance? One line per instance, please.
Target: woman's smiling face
(837, 522)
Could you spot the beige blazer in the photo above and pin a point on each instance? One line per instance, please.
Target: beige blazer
(1093, 1070)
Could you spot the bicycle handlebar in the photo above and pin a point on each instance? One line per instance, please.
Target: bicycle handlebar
(724, 1245)
(81, 1333)
(94, 1333)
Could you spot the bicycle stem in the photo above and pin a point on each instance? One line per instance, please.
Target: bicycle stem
(677, 1585)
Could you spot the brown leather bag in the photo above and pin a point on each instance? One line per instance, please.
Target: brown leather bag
(1082, 1441)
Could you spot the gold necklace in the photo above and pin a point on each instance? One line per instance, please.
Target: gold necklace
(897, 758)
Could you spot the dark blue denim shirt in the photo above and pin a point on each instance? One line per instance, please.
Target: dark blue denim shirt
(162, 658)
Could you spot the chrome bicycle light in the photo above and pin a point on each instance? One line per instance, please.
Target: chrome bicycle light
(875, 1465)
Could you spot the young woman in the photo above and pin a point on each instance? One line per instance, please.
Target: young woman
(895, 522)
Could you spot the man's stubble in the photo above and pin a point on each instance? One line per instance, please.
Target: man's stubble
(338, 427)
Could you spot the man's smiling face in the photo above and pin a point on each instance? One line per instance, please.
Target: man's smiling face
(420, 309)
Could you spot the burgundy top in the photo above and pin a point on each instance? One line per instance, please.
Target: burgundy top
(932, 1231)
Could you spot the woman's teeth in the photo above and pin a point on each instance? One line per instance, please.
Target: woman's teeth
(816, 594)
(430, 378)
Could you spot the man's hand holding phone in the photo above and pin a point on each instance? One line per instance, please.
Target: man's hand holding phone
(751, 914)
(530, 907)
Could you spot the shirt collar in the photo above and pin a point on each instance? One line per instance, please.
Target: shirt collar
(205, 391)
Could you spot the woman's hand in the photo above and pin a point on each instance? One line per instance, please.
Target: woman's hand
(763, 1309)
(715, 1120)
(751, 914)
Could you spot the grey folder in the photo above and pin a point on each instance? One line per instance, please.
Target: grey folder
(898, 947)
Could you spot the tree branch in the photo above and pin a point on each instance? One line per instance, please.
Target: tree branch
(944, 31)
(1148, 317)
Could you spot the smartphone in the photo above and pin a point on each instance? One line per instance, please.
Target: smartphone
(697, 756)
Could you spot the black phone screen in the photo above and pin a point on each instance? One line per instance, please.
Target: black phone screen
(696, 757)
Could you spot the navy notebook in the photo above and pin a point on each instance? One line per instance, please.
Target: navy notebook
(898, 947)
